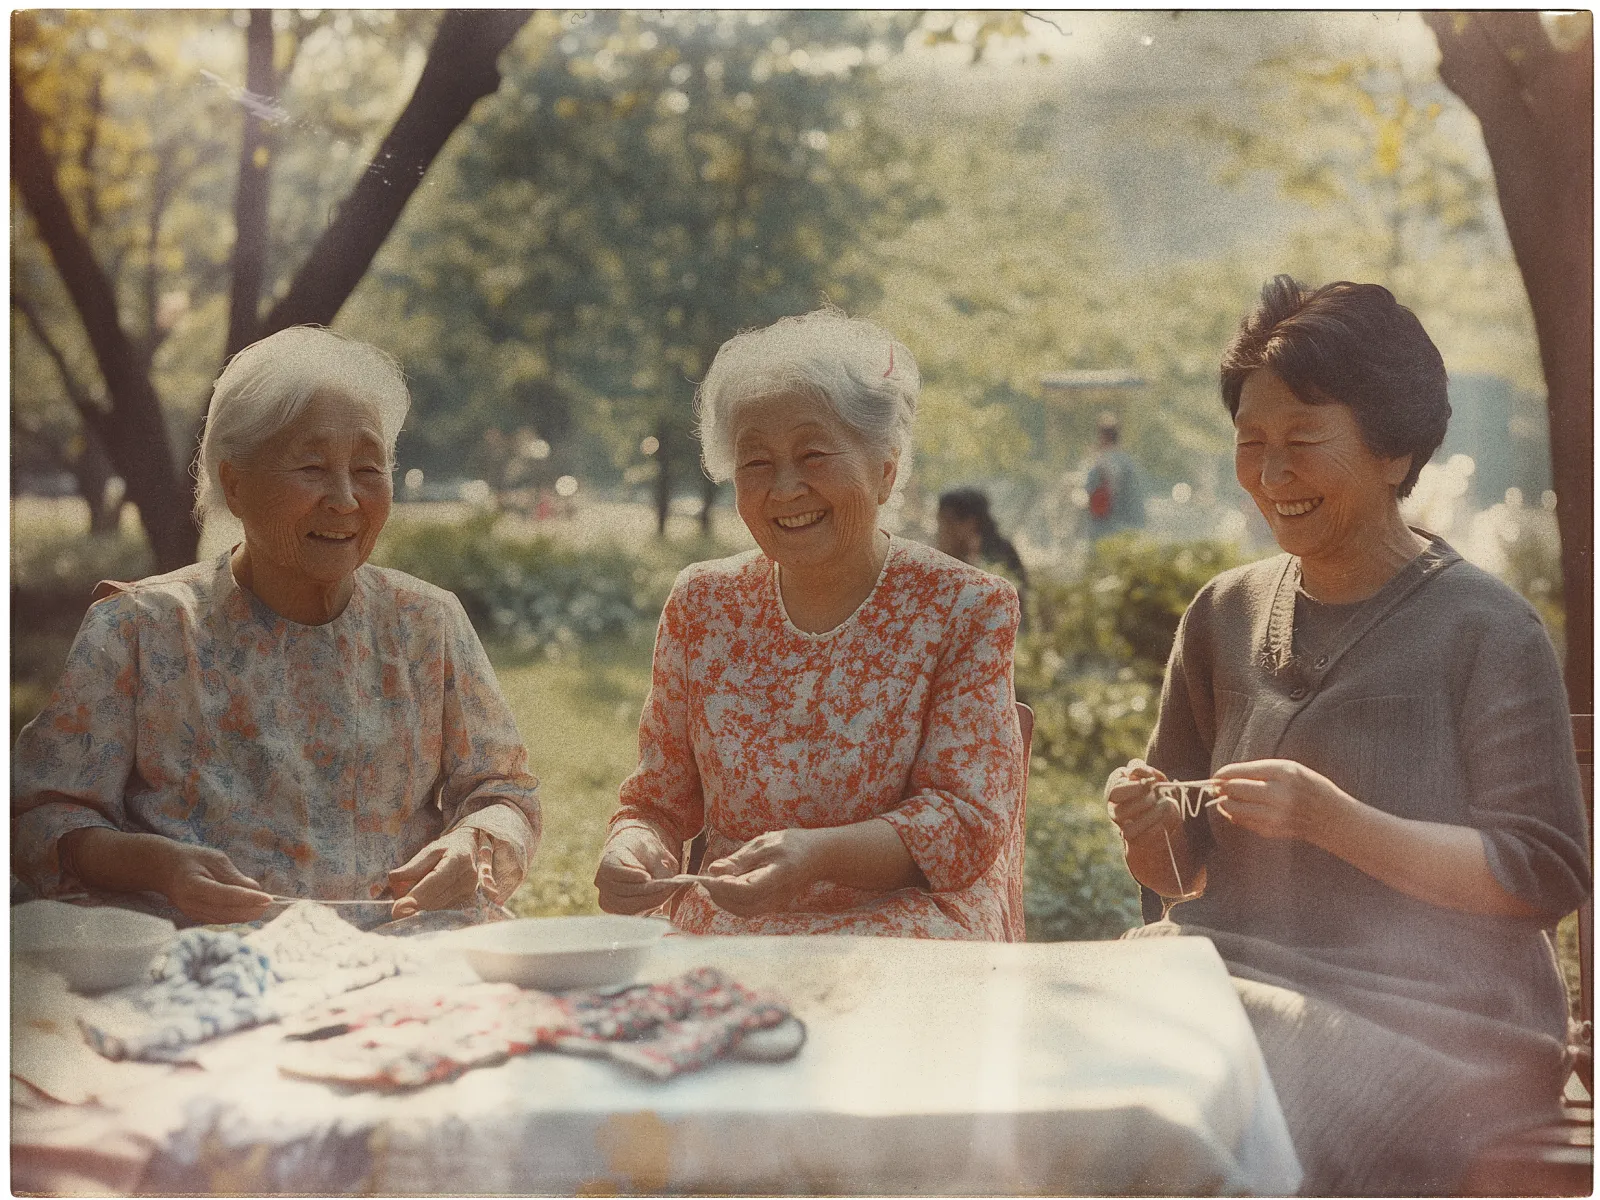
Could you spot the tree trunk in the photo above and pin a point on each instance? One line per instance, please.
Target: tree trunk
(140, 448)
(663, 476)
(462, 68)
(1535, 104)
(92, 468)
(708, 497)
(250, 196)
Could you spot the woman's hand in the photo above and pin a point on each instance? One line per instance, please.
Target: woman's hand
(202, 883)
(1132, 803)
(1155, 844)
(634, 869)
(1277, 798)
(446, 873)
(766, 873)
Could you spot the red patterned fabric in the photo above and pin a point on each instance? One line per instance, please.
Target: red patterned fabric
(660, 1029)
(905, 712)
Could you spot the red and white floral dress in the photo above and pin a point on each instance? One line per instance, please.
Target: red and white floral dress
(906, 711)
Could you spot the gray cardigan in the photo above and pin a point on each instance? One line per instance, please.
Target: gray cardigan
(1440, 701)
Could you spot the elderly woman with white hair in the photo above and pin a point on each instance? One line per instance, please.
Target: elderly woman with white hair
(834, 708)
(283, 719)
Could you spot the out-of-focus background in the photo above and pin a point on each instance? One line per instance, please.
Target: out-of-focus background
(553, 219)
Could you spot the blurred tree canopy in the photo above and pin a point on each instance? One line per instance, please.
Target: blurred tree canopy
(641, 185)
(120, 151)
(647, 185)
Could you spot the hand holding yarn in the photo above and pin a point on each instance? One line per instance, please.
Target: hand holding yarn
(1279, 798)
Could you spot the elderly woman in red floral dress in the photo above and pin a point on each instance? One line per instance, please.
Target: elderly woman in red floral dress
(835, 707)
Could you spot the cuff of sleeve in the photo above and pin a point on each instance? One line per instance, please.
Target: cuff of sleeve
(1536, 875)
(36, 842)
(509, 832)
(928, 834)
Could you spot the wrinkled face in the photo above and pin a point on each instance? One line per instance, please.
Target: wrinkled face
(805, 486)
(1323, 492)
(315, 496)
(958, 536)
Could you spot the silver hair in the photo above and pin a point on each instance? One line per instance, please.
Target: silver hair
(858, 370)
(268, 384)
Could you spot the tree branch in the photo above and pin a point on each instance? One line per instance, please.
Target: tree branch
(140, 448)
(1472, 65)
(92, 414)
(91, 140)
(461, 69)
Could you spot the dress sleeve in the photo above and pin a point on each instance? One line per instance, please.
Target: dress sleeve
(664, 792)
(966, 779)
(487, 785)
(1524, 795)
(71, 764)
(1180, 744)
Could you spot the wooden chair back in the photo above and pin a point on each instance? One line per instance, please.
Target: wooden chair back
(1583, 743)
(1557, 1159)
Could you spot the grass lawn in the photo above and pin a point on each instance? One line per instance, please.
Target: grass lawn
(579, 716)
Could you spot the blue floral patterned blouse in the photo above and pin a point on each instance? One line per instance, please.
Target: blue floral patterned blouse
(318, 757)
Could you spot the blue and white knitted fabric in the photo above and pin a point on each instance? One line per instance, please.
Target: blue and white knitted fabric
(210, 982)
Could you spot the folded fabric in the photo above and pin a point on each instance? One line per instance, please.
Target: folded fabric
(211, 982)
(663, 1029)
(660, 1030)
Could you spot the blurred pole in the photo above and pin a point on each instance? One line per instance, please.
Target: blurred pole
(663, 476)
(250, 196)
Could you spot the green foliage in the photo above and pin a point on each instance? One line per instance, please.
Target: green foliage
(534, 594)
(1532, 548)
(644, 186)
(1077, 888)
(1092, 666)
(1395, 170)
(51, 556)
(142, 113)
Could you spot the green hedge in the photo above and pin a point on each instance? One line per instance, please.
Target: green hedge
(1091, 668)
(536, 593)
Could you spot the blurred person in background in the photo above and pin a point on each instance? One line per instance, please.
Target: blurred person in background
(834, 708)
(967, 531)
(282, 720)
(1396, 822)
(1116, 493)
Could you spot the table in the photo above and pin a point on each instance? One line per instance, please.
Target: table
(930, 1068)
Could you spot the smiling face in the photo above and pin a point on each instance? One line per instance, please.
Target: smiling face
(1328, 498)
(805, 486)
(313, 499)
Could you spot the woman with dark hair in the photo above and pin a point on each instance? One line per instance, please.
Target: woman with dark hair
(1390, 823)
(967, 531)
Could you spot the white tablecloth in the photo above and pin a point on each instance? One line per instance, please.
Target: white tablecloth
(931, 1067)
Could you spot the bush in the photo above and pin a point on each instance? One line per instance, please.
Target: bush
(536, 593)
(1092, 666)
(1077, 887)
(52, 554)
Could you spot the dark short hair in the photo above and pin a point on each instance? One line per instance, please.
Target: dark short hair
(1352, 344)
(967, 503)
